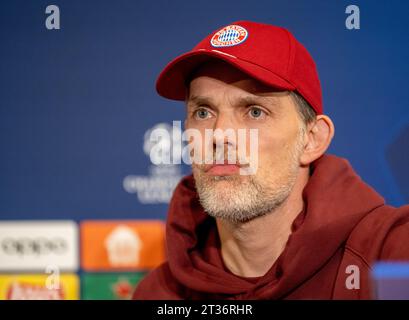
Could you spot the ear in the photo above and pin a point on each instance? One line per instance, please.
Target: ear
(317, 139)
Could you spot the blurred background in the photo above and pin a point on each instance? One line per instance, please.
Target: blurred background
(78, 193)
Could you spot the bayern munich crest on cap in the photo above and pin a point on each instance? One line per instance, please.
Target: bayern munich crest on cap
(231, 35)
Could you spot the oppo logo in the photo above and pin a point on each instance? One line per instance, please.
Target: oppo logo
(34, 246)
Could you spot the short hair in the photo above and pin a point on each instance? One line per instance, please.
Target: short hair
(305, 111)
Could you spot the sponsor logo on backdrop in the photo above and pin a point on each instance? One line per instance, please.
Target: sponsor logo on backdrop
(110, 286)
(122, 245)
(34, 245)
(122, 289)
(160, 141)
(28, 291)
(35, 287)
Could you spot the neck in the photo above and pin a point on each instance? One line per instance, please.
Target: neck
(249, 249)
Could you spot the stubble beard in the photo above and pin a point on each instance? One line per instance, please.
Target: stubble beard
(239, 198)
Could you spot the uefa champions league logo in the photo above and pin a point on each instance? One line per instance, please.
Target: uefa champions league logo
(162, 141)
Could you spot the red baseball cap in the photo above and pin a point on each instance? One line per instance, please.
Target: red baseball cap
(265, 52)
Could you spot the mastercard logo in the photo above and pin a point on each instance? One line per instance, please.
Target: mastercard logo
(231, 35)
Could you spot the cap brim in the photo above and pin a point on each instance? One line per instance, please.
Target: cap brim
(171, 82)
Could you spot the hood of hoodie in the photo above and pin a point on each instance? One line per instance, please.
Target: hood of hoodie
(335, 200)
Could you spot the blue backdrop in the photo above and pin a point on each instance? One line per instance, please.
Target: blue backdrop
(75, 103)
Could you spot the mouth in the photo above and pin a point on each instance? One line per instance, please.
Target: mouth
(223, 169)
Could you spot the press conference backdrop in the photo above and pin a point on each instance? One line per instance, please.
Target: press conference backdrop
(79, 194)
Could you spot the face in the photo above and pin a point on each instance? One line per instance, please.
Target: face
(221, 97)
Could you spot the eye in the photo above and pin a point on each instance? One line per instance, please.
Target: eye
(202, 113)
(256, 113)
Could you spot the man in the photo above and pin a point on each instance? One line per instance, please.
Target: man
(304, 223)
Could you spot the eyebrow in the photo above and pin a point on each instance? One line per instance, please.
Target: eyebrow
(198, 100)
(250, 99)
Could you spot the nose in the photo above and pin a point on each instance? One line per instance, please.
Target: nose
(224, 133)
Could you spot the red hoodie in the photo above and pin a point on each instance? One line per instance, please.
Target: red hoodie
(344, 223)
